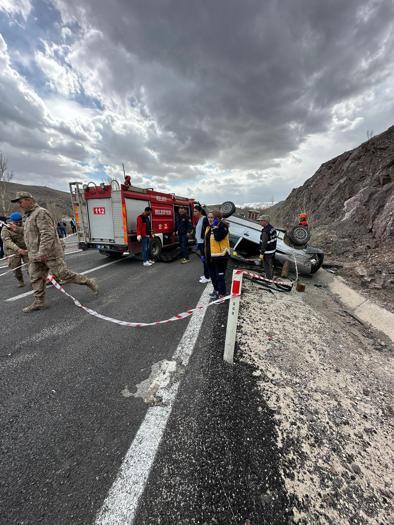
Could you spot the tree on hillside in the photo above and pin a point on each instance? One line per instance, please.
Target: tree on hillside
(5, 176)
(55, 211)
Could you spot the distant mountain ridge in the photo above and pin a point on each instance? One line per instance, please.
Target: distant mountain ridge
(56, 201)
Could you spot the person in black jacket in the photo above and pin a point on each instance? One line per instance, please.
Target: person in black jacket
(267, 245)
(183, 228)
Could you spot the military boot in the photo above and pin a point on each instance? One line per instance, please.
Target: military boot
(21, 284)
(36, 305)
(91, 283)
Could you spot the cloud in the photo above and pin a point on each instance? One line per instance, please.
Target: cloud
(16, 7)
(221, 98)
(60, 76)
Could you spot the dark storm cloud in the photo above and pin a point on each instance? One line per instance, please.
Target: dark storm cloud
(210, 95)
(244, 82)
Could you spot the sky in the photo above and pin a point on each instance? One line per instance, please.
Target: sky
(219, 100)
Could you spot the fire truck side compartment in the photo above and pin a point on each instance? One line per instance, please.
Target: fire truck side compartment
(105, 218)
(134, 207)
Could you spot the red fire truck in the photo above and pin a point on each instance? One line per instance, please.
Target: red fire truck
(106, 217)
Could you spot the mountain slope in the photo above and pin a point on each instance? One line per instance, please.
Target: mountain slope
(57, 202)
(354, 192)
(350, 201)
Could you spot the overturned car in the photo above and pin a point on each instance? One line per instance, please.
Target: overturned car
(292, 246)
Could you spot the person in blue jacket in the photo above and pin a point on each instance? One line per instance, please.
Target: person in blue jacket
(201, 225)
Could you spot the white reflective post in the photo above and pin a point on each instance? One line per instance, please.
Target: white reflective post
(232, 319)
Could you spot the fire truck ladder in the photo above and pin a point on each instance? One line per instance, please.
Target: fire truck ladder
(80, 211)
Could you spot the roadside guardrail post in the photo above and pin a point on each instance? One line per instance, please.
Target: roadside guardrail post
(232, 319)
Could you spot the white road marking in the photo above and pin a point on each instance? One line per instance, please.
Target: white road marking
(20, 296)
(120, 505)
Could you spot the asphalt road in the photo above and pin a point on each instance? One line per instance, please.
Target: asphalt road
(65, 424)
(69, 420)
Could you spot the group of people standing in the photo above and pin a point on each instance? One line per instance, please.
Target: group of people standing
(213, 247)
(37, 243)
(212, 239)
(62, 228)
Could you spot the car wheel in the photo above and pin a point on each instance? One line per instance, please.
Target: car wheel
(316, 262)
(155, 248)
(299, 235)
(227, 208)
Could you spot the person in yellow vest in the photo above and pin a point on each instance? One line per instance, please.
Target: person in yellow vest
(217, 250)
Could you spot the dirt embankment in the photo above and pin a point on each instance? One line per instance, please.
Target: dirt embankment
(329, 381)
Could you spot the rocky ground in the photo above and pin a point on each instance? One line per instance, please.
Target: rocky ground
(368, 266)
(328, 379)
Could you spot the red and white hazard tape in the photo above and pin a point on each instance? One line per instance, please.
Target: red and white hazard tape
(178, 317)
(4, 259)
(24, 264)
(12, 269)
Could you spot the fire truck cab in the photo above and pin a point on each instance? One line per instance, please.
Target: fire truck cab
(106, 217)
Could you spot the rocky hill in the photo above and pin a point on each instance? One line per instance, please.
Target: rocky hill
(57, 202)
(350, 201)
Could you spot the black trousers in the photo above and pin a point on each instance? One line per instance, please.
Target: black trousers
(269, 265)
(184, 245)
(217, 271)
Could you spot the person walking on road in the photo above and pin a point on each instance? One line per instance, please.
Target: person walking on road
(45, 251)
(201, 226)
(144, 234)
(12, 236)
(267, 246)
(73, 226)
(217, 250)
(60, 230)
(183, 228)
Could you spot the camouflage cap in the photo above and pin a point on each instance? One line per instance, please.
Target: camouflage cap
(22, 195)
(264, 218)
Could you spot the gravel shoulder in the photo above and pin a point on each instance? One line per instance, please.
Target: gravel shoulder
(328, 380)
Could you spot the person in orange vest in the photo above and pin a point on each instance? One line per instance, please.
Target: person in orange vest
(303, 219)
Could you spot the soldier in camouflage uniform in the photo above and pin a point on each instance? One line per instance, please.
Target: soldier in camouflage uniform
(45, 251)
(14, 245)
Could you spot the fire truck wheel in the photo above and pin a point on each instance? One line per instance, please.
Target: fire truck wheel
(156, 247)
